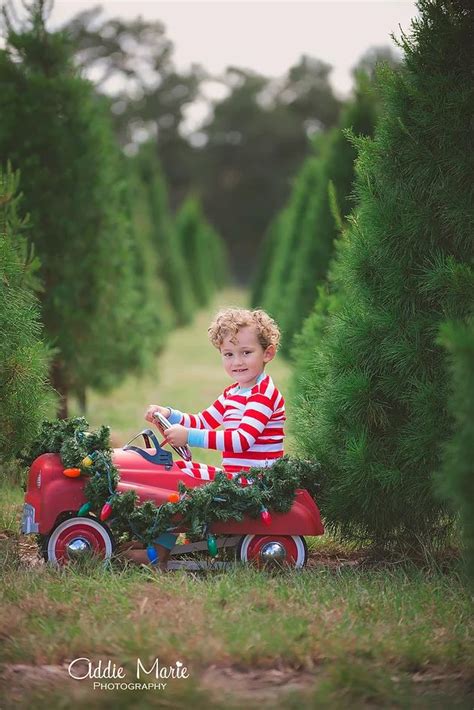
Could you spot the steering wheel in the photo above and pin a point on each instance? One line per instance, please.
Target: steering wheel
(163, 424)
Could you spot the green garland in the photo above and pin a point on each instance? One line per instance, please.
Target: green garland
(220, 500)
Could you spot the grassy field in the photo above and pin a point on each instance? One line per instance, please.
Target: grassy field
(340, 634)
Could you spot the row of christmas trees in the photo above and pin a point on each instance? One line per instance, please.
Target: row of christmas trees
(381, 297)
(112, 269)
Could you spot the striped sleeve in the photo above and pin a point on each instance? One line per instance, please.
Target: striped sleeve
(256, 415)
(209, 418)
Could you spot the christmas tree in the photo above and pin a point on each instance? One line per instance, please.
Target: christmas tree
(266, 255)
(57, 131)
(151, 264)
(291, 227)
(24, 395)
(455, 479)
(375, 407)
(164, 236)
(310, 260)
(203, 251)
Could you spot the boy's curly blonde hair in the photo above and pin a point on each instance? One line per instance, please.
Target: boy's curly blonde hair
(229, 321)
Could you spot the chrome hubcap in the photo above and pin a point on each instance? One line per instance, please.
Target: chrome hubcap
(273, 552)
(77, 548)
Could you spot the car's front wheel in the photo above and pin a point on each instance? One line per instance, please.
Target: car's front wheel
(77, 538)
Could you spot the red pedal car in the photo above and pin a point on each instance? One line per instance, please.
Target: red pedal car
(52, 502)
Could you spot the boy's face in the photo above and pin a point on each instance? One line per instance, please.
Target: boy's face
(244, 358)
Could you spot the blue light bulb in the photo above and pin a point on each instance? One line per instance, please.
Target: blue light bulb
(152, 554)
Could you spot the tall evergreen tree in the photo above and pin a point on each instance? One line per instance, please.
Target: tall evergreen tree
(290, 230)
(24, 393)
(202, 249)
(152, 262)
(455, 479)
(375, 408)
(306, 344)
(310, 260)
(218, 256)
(133, 321)
(172, 269)
(54, 128)
(266, 255)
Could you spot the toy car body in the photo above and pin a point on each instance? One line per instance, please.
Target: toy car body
(52, 502)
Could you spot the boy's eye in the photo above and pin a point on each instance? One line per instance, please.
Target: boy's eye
(227, 354)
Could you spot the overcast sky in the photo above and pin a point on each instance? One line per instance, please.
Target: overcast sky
(266, 36)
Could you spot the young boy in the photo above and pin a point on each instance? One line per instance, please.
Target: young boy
(251, 410)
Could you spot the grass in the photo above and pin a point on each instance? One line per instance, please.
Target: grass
(334, 635)
(376, 636)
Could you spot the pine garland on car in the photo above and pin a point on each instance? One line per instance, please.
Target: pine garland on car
(89, 454)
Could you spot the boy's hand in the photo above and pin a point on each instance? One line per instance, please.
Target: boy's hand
(176, 435)
(156, 408)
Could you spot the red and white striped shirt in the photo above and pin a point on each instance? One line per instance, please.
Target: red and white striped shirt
(252, 421)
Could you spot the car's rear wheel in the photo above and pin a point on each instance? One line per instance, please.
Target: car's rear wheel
(273, 550)
(78, 538)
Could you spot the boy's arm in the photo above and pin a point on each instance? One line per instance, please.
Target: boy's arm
(258, 411)
(209, 418)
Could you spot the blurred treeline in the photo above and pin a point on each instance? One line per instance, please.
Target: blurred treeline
(241, 161)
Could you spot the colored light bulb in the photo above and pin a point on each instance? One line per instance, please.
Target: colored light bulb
(90, 459)
(212, 545)
(72, 472)
(173, 498)
(152, 554)
(266, 517)
(84, 509)
(243, 481)
(106, 511)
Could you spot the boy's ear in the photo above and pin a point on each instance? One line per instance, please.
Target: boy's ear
(269, 353)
